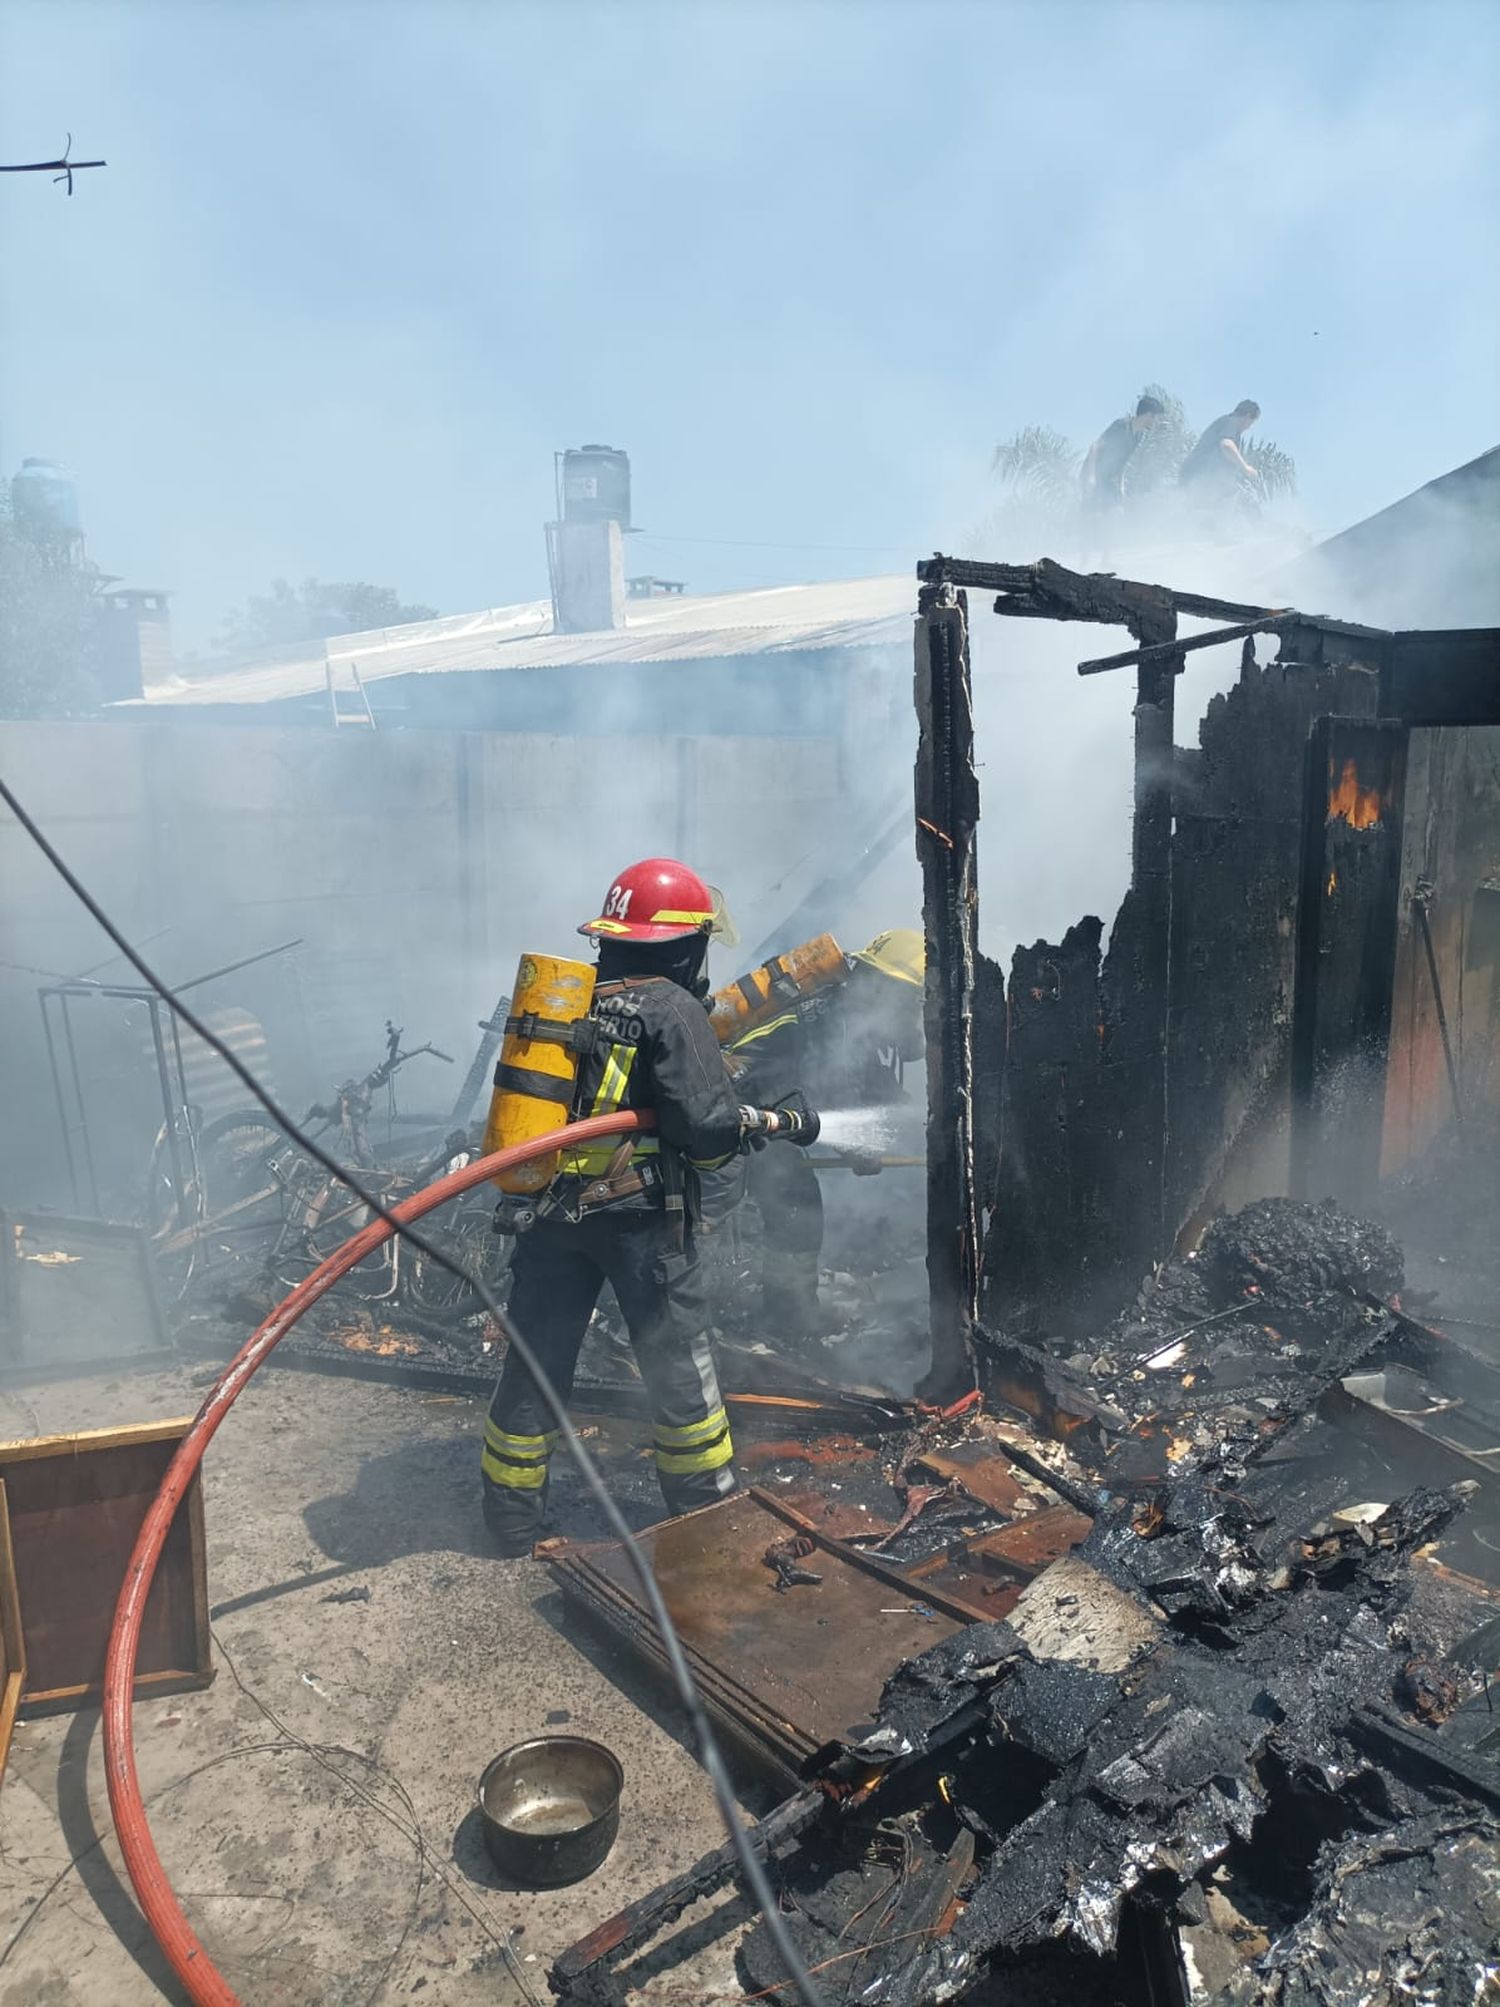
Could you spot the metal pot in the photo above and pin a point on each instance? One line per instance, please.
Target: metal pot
(551, 1809)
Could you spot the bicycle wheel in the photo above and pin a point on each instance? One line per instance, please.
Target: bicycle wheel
(334, 1215)
(246, 1160)
(483, 1255)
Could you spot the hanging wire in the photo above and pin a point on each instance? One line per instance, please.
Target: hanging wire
(709, 1753)
(69, 167)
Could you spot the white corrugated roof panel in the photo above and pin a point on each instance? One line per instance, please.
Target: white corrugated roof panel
(845, 613)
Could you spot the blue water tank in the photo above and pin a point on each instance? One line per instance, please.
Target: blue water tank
(596, 485)
(44, 497)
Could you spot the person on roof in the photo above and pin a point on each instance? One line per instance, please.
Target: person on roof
(1103, 474)
(844, 1046)
(624, 1212)
(1217, 467)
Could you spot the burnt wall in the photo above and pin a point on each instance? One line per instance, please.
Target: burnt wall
(1236, 865)
(1072, 1220)
(1052, 1229)
(1451, 857)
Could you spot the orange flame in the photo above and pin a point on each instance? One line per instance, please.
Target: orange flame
(1351, 803)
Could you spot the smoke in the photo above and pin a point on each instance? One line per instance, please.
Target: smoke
(354, 355)
(351, 277)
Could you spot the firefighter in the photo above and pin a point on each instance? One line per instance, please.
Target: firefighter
(623, 1213)
(844, 1046)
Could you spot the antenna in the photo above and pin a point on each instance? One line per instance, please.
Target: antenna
(67, 166)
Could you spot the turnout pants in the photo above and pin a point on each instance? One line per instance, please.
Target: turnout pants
(785, 1188)
(558, 1271)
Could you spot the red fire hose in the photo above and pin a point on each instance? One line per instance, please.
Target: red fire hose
(192, 1964)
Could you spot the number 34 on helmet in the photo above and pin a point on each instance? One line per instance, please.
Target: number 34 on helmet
(656, 900)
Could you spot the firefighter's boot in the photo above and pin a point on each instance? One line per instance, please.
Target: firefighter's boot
(515, 1488)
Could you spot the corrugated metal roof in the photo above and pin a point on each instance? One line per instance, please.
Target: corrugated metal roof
(847, 613)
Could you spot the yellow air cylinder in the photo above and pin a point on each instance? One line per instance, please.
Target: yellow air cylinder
(538, 1068)
(775, 987)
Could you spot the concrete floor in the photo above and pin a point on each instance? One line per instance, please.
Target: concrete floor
(302, 1889)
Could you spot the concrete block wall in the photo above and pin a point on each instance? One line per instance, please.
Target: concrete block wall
(414, 865)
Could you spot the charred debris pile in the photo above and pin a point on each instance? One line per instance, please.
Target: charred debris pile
(1236, 1742)
(1273, 1789)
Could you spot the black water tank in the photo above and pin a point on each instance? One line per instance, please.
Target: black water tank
(596, 485)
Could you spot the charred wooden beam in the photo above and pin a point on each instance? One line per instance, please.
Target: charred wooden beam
(1052, 592)
(947, 812)
(1419, 1754)
(1150, 898)
(584, 1971)
(1160, 649)
(1345, 970)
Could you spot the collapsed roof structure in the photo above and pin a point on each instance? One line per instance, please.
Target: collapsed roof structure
(1205, 1714)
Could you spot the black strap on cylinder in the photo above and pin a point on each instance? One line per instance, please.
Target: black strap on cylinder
(576, 1034)
(526, 1080)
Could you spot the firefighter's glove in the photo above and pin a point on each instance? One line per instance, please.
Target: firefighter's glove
(864, 1163)
(755, 1130)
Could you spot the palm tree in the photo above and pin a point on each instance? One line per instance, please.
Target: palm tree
(1277, 470)
(1040, 465)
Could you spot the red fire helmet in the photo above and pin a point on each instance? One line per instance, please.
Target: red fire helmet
(655, 900)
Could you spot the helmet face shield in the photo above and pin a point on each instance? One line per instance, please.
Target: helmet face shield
(655, 900)
(723, 929)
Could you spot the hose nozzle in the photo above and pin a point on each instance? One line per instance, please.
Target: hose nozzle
(790, 1121)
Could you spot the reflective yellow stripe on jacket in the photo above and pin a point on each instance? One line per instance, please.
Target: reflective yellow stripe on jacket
(764, 1030)
(592, 1160)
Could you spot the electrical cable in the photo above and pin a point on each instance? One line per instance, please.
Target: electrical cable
(758, 544)
(153, 1889)
(322, 1753)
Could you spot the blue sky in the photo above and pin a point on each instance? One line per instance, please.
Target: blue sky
(353, 272)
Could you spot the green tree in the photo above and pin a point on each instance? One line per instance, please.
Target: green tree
(313, 611)
(52, 625)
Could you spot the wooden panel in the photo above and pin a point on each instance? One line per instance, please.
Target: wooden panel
(1029, 1545)
(12, 1643)
(985, 1472)
(76, 1292)
(76, 1506)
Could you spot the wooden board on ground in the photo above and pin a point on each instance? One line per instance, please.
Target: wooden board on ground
(12, 1643)
(984, 1471)
(787, 1672)
(76, 1505)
